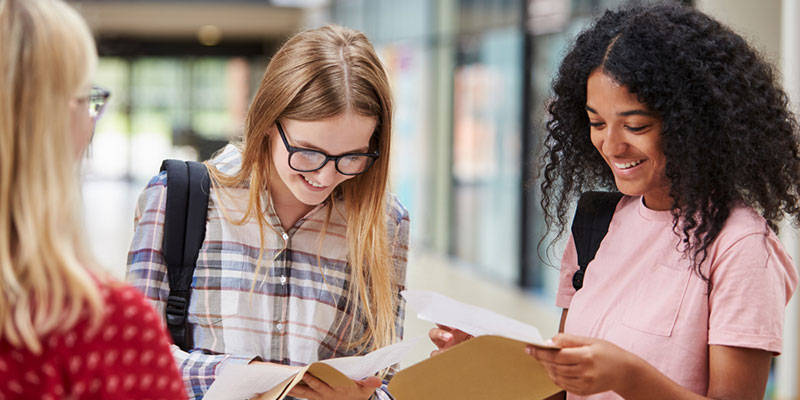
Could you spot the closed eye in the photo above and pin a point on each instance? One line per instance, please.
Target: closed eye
(596, 124)
(637, 128)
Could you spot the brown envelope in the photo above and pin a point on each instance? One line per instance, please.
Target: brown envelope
(482, 368)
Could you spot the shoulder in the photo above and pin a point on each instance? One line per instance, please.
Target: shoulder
(155, 187)
(228, 160)
(157, 181)
(747, 242)
(127, 319)
(396, 211)
(126, 306)
(743, 222)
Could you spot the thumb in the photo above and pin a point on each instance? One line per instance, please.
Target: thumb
(371, 382)
(565, 340)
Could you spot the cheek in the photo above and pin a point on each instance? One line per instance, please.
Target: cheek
(341, 179)
(82, 126)
(280, 159)
(596, 140)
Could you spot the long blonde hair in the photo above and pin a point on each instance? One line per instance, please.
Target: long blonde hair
(318, 74)
(47, 55)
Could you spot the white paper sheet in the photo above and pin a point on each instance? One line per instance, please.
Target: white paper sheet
(360, 367)
(238, 382)
(474, 320)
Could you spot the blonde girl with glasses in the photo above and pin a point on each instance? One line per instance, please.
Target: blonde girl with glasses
(304, 254)
(66, 329)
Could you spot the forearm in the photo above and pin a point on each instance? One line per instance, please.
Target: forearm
(730, 379)
(643, 381)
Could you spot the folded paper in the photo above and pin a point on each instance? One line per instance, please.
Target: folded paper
(274, 381)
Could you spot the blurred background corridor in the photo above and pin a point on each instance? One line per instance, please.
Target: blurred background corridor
(470, 79)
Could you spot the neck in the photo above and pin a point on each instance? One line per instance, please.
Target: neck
(658, 201)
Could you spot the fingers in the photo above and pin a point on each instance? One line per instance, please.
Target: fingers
(314, 383)
(440, 337)
(302, 391)
(372, 382)
(564, 340)
(366, 387)
(313, 388)
(445, 337)
(564, 356)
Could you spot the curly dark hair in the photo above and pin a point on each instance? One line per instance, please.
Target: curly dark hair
(729, 137)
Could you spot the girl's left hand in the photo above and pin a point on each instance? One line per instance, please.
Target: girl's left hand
(315, 389)
(583, 365)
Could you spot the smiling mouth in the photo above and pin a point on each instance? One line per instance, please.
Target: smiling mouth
(312, 183)
(628, 165)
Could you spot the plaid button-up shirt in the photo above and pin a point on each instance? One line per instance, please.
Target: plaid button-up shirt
(293, 312)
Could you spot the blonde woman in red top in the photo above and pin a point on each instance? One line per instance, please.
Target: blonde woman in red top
(66, 330)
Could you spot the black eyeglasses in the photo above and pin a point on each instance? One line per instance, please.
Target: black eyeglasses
(307, 160)
(98, 98)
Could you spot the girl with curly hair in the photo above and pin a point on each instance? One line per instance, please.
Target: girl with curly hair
(686, 295)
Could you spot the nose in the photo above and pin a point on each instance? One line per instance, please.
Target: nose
(614, 141)
(327, 174)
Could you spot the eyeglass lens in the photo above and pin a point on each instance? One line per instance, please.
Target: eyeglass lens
(306, 160)
(98, 98)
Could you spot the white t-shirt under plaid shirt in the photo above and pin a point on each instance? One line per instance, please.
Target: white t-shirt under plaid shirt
(298, 311)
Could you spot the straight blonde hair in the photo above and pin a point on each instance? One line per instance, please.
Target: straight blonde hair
(47, 55)
(318, 74)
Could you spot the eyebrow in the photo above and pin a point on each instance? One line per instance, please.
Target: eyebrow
(310, 146)
(626, 113)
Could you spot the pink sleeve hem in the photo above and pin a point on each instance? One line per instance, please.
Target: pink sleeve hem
(563, 299)
(767, 343)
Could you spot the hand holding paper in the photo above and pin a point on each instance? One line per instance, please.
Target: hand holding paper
(445, 337)
(314, 388)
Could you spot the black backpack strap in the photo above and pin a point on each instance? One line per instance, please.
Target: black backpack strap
(184, 230)
(592, 217)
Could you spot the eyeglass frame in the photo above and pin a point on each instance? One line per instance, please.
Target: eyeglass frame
(292, 150)
(98, 96)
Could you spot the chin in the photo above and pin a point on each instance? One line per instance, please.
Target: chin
(311, 199)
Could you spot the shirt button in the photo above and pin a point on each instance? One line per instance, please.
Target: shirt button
(279, 327)
(283, 280)
(285, 236)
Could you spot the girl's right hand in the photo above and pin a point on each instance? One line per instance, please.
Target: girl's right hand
(445, 337)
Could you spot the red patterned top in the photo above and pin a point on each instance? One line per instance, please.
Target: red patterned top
(128, 357)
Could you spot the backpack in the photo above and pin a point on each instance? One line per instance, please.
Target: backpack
(589, 227)
(184, 231)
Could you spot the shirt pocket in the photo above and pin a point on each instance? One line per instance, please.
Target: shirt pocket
(218, 286)
(654, 307)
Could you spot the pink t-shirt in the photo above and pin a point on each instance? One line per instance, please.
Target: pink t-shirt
(641, 294)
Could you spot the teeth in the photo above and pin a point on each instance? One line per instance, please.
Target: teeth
(314, 184)
(628, 165)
